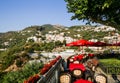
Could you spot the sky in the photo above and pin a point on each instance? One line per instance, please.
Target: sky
(18, 14)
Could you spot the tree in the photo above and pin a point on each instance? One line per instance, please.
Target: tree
(105, 12)
(58, 43)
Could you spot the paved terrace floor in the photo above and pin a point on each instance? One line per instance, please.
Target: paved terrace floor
(111, 78)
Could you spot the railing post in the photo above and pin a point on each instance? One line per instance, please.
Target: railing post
(56, 76)
(107, 70)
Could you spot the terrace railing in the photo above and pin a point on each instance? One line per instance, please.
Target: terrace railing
(52, 75)
(111, 69)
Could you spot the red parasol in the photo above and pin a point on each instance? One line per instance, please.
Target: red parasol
(90, 55)
(90, 43)
(78, 57)
(109, 44)
(81, 42)
(116, 44)
(71, 44)
(100, 44)
(82, 81)
(84, 42)
(73, 66)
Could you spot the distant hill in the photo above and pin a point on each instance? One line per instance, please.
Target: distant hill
(14, 42)
(13, 37)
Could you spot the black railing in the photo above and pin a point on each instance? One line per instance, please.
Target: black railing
(111, 69)
(53, 74)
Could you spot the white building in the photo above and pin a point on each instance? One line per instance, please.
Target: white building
(6, 43)
(58, 37)
(34, 38)
(104, 28)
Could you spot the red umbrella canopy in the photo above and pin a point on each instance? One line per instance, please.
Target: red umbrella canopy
(82, 42)
(116, 44)
(109, 44)
(100, 43)
(78, 57)
(90, 55)
(82, 81)
(73, 66)
(90, 43)
(71, 44)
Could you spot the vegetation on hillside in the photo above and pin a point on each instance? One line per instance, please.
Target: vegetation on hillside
(86, 34)
(20, 75)
(21, 52)
(17, 49)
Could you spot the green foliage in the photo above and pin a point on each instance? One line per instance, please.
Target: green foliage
(31, 40)
(19, 62)
(108, 54)
(7, 61)
(106, 12)
(24, 54)
(110, 61)
(31, 47)
(58, 43)
(21, 75)
(74, 47)
(9, 56)
(86, 34)
(107, 51)
(1, 76)
(64, 42)
(108, 66)
(46, 28)
(88, 50)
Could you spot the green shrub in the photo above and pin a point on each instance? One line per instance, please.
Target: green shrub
(8, 61)
(19, 62)
(1, 76)
(111, 65)
(19, 76)
(88, 50)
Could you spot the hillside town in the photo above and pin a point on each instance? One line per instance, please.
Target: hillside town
(111, 37)
(41, 46)
(56, 36)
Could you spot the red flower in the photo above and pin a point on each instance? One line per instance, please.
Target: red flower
(59, 57)
(25, 81)
(53, 62)
(43, 70)
(48, 66)
(32, 79)
(90, 55)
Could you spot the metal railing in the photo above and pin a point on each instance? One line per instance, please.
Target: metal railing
(53, 74)
(111, 69)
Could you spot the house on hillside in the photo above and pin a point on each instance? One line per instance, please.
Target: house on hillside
(34, 55)
(34, 38)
